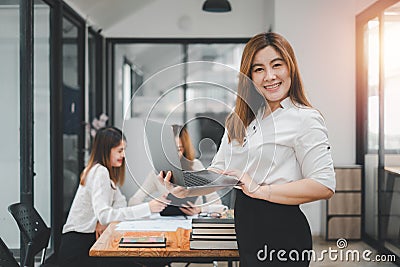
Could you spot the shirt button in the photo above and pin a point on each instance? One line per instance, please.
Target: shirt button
(254, 127)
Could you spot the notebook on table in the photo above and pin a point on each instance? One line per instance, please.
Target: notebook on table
(143, 242)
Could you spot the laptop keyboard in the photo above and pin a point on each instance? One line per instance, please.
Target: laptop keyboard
(194, 180)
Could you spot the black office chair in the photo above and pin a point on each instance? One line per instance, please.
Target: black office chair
(33, 229)
(6, 257)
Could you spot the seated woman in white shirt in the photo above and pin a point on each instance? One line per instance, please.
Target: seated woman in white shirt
(151, 187)
(99, 199)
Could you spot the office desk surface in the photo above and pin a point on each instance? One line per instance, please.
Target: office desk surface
(178, 246)
(394, 170)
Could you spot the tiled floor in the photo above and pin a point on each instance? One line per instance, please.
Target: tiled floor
(320, 245)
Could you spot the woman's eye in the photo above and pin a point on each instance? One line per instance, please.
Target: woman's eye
(277, 65)
(258, 69)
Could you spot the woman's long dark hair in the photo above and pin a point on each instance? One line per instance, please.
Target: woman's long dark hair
(106, 139)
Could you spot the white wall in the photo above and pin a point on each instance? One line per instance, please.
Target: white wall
(323, 36)
(184, 18)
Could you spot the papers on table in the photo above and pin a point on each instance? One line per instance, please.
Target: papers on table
(167, 225)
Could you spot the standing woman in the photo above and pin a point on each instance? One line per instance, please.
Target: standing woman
(277, 144)
(98, 199)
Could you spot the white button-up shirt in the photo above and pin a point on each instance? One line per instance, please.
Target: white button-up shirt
(288, 145)
(97, 200)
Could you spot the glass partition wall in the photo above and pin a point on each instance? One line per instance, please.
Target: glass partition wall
(10, 158)
(95, 94)
(186, 82)
(10, 108)
(378, 143)
(371, 34)
(42, 144)
(211, 93)
(72, 109)
(41, 105)
(390, 188)
(191, 84)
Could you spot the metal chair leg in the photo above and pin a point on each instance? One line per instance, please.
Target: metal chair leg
(43, 257)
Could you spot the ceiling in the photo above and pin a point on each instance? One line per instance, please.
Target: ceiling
(105, 13)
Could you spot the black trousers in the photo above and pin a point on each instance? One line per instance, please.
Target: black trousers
(74, 250)
(271, 234)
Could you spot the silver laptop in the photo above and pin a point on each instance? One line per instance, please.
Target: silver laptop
(165, 157)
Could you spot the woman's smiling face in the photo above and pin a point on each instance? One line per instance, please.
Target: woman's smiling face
(117, 155)
(271, 76)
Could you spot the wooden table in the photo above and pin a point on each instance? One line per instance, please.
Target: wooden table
(177, 250)
(393, 170)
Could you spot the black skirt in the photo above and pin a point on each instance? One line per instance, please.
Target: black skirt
(271, 234)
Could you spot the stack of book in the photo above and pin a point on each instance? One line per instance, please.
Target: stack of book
(213, 233)
(143, 242)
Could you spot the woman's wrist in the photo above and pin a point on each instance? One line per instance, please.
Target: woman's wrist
(269, 192)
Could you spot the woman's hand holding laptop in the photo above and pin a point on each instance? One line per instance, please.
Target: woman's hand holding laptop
(182, 192)
(176, 190)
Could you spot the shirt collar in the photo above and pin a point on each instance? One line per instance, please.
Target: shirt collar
(287, 103)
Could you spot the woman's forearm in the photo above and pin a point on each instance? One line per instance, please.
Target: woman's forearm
(294, 193)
